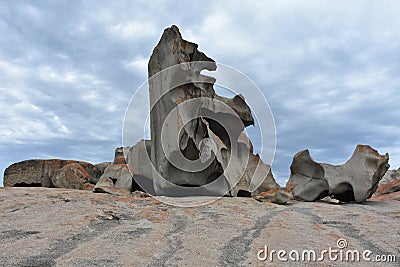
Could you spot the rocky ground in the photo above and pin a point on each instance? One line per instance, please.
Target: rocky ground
(63, 227)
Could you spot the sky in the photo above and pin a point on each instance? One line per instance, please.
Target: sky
(329, 70)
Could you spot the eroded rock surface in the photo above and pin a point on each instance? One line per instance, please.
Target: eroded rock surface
(197, 137)
(119, 157)
(102, 166)
(390, 175)
(276, 195)
(73, 176)
(138, 160)
(391, 187)
(356, 180)
(116, 179)
(308, 178)
(60, 227)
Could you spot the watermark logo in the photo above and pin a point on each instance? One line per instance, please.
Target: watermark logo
(341, 243)
(340, 253)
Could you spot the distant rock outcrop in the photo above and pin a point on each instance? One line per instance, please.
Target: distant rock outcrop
(356, 180)
(37, 172)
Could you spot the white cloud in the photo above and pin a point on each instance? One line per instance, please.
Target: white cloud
(138, 65)
(132, 30)
(30, 11)
(12, 70)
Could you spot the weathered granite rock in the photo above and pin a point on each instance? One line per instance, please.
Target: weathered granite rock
(197, 137)
(359, 176)
(330, 199)
(37, 172)
(116, 179)
(138, 160)
(277, 195)
(119, 157)
(106, 185)
(140, 194)
(88, 187)
(308, 177)
(390, 175)
(92, 170)
(356, 180)
(102, 167)
(255, 170)
(73, 176)
(391, 187)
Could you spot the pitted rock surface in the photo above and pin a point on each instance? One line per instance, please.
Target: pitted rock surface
(60, 227)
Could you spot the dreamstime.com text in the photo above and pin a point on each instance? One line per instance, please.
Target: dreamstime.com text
(339, 253)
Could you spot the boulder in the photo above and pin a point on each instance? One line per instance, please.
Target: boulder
(116, 179)
(277, 195)
(356, 180)
(73, 176)
(390, 175)
(37, 172)
(198, 145)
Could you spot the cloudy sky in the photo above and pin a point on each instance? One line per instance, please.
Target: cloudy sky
(329, 70)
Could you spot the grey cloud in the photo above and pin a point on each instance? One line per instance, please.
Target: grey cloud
(329, 71)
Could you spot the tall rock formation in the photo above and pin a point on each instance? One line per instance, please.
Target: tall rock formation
(197, 137)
